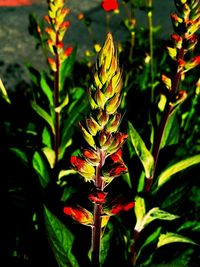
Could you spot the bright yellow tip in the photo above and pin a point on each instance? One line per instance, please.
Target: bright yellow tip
(97, 47)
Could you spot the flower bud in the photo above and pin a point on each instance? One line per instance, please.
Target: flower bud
(92, 126)
(83, 168)
(88, 137)
(113, 124)
(91, 156)
(100, 98)
(105, 139)
(102, 118)
(98, 197)
(79, 214)
(113, 104)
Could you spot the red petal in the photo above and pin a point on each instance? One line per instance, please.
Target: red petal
(98, 197)
(109, 5)
(117, 156)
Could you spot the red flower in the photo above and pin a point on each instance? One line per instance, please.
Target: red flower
(117, 205)
(122, 207)
(98, 197)
(79, 214)
(83, 168)
(117, 156)
(109, 5)
(68, 51)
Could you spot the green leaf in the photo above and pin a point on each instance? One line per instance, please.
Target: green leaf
(42, 113)
(143, 153)
(50, 155)
(140, 210)
(3, 93)
(46, 89)
(150, 239)
(106, 242)
(20, 154)
(63, 104)
(193, 226)
(46, 137)
(68, 128)
(60, 239)
(40, 166)
(67, 67)
(169, 238)
(152, 215)
(177, 167)
(63, 173)
(172, 131)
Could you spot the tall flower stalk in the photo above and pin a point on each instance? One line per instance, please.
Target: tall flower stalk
(102, 161)
(56, 31)
(183, 41)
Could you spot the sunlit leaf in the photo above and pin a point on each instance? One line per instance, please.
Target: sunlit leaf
(46, 137)
(4, 93)
(63, 104)
(60, 239)
(140, 210)
(169, 238)
(152, 215)
(40, 166)
(63, 173)
(143, 153)
(50, 155)
(42, 113)
(177, 167)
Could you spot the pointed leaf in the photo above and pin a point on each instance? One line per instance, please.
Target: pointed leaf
(169, 238)
(177, 167)
(20, 154)
(193, 226)
(68, 128)
(46, 137)
(143, 153)
(63, 173)
(63, 104)
(42, 113)
(140, 210)
(60, 239)
(150, 239)
(46, 89)
(67, 67)
(172, 131)
(50, 155)
(153, 215)
(3, 92)
(40, 166)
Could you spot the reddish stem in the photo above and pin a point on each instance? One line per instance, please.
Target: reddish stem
(56, 104)
(164, 120)
(96, 229)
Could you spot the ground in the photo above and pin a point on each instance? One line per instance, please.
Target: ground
(17, 47)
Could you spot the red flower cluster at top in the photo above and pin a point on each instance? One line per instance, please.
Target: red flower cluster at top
(109, 5)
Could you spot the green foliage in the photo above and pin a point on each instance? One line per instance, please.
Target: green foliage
(38, 129)
(60, 239)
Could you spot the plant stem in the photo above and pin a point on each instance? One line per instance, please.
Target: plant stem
(167, 111)
(56, 104)
(150, 23)
(96, 229)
